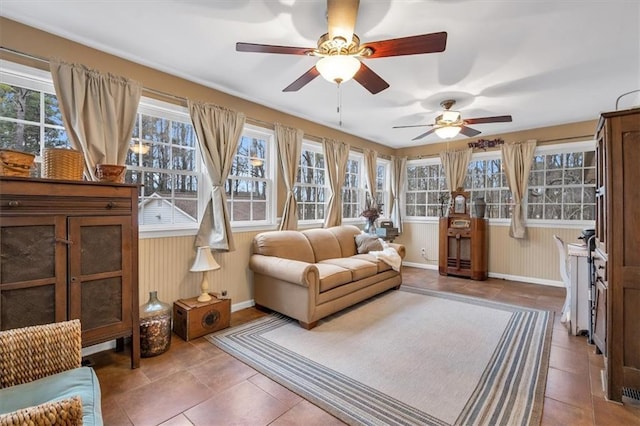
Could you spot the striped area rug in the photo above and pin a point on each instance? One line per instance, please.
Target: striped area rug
(409, 357)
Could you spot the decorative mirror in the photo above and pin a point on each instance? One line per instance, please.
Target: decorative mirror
(459, 203)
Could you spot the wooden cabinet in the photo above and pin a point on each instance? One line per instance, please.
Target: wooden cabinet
(69, 250)
(599, 331)
(618, 247)
(462, 247)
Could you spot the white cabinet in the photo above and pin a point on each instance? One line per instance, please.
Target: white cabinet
(580, 291)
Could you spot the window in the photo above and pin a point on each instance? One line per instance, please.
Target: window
(250, 188)
(427, 193)
(383, 184)
(310, 186)
(30, 119)
(353, 189)
(485, 179)
(561, 185)
(164, 158)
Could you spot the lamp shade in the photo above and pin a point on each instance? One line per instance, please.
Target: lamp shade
(448, 132)
(338, 68)
(204, 260)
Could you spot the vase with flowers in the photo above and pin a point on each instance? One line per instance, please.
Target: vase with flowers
(371, 213)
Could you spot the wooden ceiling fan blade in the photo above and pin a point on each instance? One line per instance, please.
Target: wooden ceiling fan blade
(425, 43)
(303, 80)
(370, 80)
(341, 18)
(268, 48)
(469, 132)
(496, 119)
(427, 133)
(414, 125)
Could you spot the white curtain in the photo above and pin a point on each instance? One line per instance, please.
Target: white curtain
(370, 169)
(218, 130)
(398, 177)
(455, 164)
(336, 155)
(289, 147)
(98, 110)
(516, 162)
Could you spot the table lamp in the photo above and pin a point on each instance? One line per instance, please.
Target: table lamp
(204, 262)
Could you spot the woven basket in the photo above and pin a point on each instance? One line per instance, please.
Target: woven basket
(15, 163)
(110, 173)
(60, 163)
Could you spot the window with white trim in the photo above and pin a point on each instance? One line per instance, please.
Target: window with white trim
(485, 179)
(426, 193)
(164, 158)
(30, 118)
(250, 186)
(561, 185)
(383, 186)
(310, 187)
(353, 189)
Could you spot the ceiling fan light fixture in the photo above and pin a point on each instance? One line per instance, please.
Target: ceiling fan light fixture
(450, 116)
(338, 68)
(448, 132)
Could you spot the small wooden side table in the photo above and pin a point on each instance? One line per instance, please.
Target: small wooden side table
(193, 319)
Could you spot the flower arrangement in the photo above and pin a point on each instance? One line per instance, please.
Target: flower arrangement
(371, 210)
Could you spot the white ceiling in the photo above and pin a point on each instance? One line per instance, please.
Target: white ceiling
(545, 62)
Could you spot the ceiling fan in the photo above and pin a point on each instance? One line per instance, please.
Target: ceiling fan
(341, 53)
(449, 123)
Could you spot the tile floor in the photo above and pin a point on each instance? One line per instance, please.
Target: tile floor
(196, 383)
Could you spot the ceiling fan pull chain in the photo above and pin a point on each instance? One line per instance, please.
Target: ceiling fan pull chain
(339, 108)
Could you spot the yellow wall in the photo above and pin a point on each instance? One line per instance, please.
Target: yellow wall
(164, 262)
(534, 259)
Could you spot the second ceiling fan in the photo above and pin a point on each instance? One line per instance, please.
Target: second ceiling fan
(449, 123)
(341, 53)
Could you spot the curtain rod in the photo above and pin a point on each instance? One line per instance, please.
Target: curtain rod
(182, 100)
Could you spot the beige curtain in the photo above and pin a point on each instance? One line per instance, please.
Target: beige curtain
(289, 147)
(98, 110)
(398, 173)
(516, 163)
(336, 154)
(218, 130)
(455, 164)
(370, 169)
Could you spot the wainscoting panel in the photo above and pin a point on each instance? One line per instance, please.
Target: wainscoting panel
(164, 265)
(534, 258)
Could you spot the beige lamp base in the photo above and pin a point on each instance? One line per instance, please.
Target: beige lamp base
(204, 286)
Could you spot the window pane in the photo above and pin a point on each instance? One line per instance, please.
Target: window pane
(56, 138)
(20, 137)
(19, 103)
(52, 114)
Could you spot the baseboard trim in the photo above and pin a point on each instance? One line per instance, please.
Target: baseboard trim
(420, 265)
(519, 278)
(242, 305)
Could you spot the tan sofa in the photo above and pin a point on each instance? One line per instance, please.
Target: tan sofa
(310, 274)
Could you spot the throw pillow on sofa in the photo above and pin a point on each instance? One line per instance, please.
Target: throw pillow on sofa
(367, 243)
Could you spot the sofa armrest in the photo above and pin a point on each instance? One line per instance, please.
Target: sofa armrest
(399, 248)
(30, 353)
(67, 411)
(293, 271)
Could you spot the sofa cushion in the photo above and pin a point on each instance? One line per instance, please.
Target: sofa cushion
(359, 268)
(285, 244)
(345, 234)
(367, 242)
(78, 381)
(324, 243)
(332, 276)
(382, 266)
